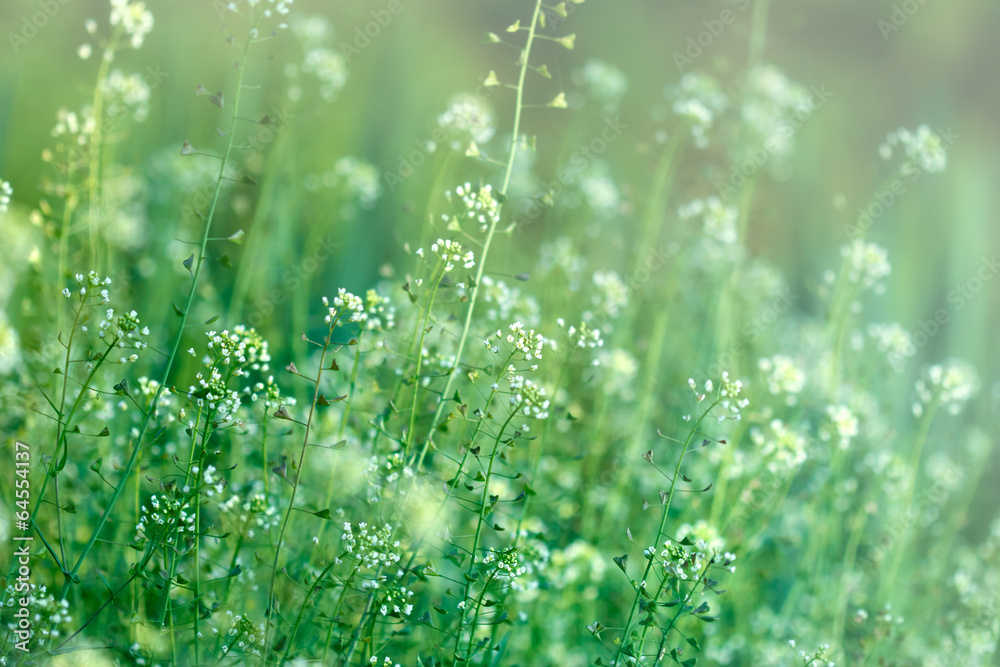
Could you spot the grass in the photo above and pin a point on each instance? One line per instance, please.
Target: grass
(581, 377)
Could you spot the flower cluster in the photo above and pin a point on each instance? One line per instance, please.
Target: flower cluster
(529, 396)
(371, 548)
(129, 90)
(386, 661)
(867, 263)
(242, 635)
(344, 302)
(892, 340)
(924, 147)
(952, 384)
(126, 331)
(211, 391)
(281, 7)
(468, 118)
(728, 396)
(843, 425)
(612, 293)
(211, 484)
(380, 315)
(620, 369)
(817, 658)
(678, 561)
(699, 100)
(329, 67)
(527, 342)
(359, 178)
(783, 448)
(783, 376)
(165, 509)
(582, 336)
(134, 18)
(603, 82)
(504, 563)
(718, 220)
(770, 102)
(395, 601)
(450, 252)
(479, 205)
(243, 347)
(6, 192)
(90, 285)
(78, 131)
(45, 613)
(703, 534)
(256, 509)
(506, 302)
(599, 189)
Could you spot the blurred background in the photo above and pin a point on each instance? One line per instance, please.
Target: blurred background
(936, 68)
(352, 170)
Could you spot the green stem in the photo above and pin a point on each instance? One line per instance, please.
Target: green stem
(899, 548)
(474, 296)
(189, 303)
(298, 476)
(96, 141)
(436, 276)
(659, 533)
(483, 504)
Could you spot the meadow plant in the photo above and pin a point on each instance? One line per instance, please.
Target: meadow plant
(267, 427)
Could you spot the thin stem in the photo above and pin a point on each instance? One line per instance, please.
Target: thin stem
(189, 303)
(659, 533)
(436, 277)
(298, 476)
(96, 141)
(474, 296)
(483, 503)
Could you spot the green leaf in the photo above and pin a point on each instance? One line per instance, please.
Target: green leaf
(622, 562)
(568, 41)
(558, 102)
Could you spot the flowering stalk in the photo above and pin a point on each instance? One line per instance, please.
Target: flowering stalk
(659, 532)
(436, 278)
(481, 519)
(911, 486)
(344, 302)
(198, 265)
(474, 296)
